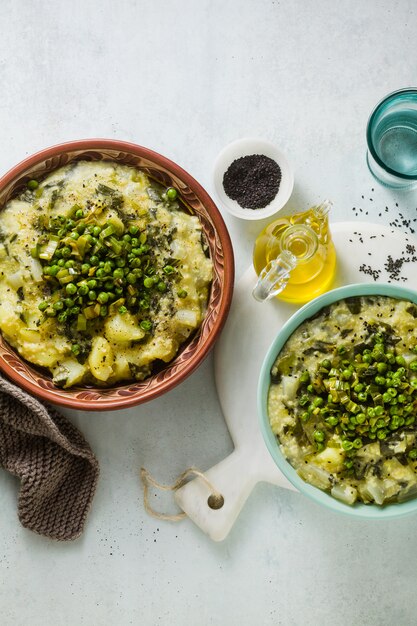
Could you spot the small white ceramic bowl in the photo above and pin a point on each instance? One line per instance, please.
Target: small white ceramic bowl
(245, 147)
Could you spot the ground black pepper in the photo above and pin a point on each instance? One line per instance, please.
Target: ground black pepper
(253, 181)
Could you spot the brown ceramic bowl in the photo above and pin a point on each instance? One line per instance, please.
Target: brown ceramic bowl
(193, 352)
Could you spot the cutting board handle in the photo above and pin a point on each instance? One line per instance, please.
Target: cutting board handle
(234, 479)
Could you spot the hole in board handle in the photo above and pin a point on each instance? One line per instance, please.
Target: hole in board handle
(215, 501)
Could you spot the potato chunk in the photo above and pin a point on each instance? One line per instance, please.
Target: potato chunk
(123, 328)
(101, 359)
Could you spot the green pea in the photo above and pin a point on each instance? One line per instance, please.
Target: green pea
(362, 396)
(182, 293)
(53, 270)
(133, 230)
(92, 283)
(66, 252)
(92, 295)
(62, 317)
(412, 454)
(70, 223)
(358, 387)
(60, 262)
(380, 380)
(69, 302)
(32, 184)
(318, 401)
(161, 287)
(357, 443)
(81, 228)
(400, 360)
(148, 282)
(413, 365)
(94, 260)
(332, 420)
(127, 238)
(76, 349)
(319, 436)
(122, 309)
(120, 262)
(171, 193)
(96, 231)
(305, 377)
(347, 445)
(118, 273)
(74, 235)
(85, 268)
(168, 269)
(79, 214)
(361, 418)
(71, 289)
(108, 285)
(305, 416)
(131, 278)
(378, 410)
(83, 290)
(392, 392)
(58, 305)
(103, 310)
(146, 325)
(382, 368)
(326, 363)
(42, 306)
(102, 297)
(101, 273)
(381, 434)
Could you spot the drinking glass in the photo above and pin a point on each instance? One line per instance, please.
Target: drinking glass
(391, 135)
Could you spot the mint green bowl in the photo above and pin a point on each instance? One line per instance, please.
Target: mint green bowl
(365, 511)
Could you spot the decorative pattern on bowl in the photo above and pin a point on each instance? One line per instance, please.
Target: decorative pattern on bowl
(198, 202)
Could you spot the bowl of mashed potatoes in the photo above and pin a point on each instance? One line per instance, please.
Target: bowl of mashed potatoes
(116, 274)
(337, 400)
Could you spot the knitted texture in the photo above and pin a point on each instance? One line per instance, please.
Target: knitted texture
(57, 469)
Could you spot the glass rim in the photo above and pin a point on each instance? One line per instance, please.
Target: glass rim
(371, 119)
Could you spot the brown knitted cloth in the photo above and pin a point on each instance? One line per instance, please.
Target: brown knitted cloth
(58, 471)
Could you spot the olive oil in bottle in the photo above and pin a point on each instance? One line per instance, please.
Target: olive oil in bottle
(304, 240)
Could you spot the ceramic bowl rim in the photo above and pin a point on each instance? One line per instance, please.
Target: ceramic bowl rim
(358, 510)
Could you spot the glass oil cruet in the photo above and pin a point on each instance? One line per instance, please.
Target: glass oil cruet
(294, 256)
